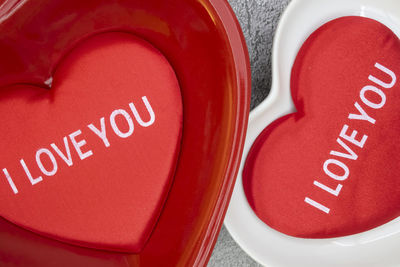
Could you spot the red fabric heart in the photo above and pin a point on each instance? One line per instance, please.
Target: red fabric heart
(309, 174)
(108, 192)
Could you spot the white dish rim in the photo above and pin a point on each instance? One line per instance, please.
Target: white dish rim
(376, 247)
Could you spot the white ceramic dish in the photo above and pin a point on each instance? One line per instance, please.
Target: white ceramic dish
(377, 247)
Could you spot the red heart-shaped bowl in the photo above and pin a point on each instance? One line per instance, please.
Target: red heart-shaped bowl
(203, 43)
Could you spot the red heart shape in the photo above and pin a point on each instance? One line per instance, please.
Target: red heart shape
(100, 146)
(329, 169)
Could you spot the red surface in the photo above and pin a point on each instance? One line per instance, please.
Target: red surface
(203, 44)
(329, 77)
(110, 196)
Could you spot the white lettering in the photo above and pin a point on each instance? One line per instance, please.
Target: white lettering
(352, 138)
(47, 159)
(52, 159)
(68, 158)
(28, 173)
(350, 155)
(115, 127)
(339, 164)
(137, 116)
(370, 103)
(329, 190)
(10, 181)
(317, 205)
(78, 145)
(388, 72)
(100, 133)
(363, 115)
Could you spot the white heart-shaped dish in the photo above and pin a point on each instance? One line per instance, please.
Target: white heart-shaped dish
(376, 247)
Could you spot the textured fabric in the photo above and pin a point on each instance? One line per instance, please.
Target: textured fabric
(328, 170)
(86, 163)
(258, 19)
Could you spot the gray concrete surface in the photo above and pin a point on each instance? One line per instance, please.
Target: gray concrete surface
(258, 19)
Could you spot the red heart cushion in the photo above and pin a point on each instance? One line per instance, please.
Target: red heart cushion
(330, 169)
(91, 160)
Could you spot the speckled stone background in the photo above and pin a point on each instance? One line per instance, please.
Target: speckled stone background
(258, 19)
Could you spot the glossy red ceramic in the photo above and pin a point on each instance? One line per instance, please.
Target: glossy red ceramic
(203, 43)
